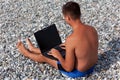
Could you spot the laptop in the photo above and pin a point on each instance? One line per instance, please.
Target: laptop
(47, 39)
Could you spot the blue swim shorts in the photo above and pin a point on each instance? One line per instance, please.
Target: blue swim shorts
(75, 73)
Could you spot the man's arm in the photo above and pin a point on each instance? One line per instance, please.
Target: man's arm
(69, 61)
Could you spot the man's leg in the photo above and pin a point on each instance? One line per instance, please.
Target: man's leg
(36, 57)
(37, 50)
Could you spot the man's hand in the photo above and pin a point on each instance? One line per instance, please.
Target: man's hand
(54, 53)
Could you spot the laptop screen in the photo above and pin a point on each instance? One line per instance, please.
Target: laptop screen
(48, 38)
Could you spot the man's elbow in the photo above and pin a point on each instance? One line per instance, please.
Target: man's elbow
(69, 69)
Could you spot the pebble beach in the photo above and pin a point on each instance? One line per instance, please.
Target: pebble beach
(21, 18)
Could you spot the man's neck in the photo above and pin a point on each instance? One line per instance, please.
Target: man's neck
(76, 24)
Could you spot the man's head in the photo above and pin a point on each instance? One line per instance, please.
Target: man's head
(71, 11)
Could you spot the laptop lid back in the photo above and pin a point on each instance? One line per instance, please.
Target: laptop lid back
(48, 38)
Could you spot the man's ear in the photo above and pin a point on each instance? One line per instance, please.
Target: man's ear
(68, 18)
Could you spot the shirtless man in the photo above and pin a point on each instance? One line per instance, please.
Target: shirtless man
(81, 46)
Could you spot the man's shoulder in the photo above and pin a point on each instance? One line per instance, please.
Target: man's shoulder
(88, 26)
(70, 38)
(91, 28)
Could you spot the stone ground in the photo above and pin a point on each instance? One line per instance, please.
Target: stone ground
(21, 18)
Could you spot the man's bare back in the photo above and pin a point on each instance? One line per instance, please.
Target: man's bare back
(85, 40)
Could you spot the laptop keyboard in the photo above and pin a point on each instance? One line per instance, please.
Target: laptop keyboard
(62, 51)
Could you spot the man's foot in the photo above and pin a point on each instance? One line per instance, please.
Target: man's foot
(22, 48)
(31, 46)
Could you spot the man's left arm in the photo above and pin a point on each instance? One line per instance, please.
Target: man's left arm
(69, 61)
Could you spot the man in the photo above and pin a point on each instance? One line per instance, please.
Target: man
(81, 46)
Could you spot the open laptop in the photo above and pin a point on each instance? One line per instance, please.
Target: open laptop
(47, 39)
